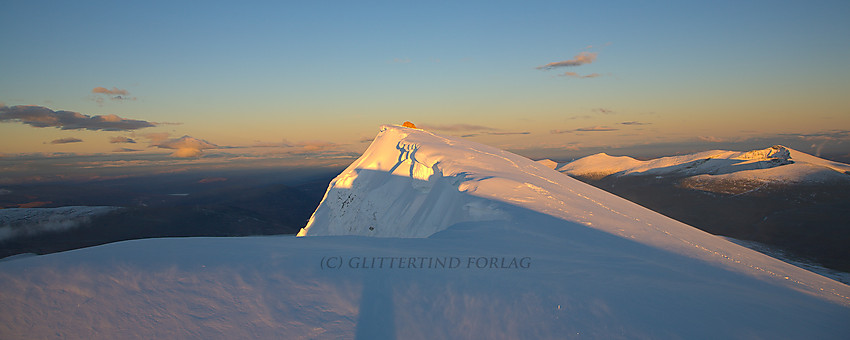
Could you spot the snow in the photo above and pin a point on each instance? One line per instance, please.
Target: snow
(474, 243)
(775, 164)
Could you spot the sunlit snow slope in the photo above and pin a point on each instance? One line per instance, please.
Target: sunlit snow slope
(412, 183)
(777, 163)
(477, 243)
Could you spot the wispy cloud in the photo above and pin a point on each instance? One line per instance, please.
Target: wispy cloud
(186, 146)
(603, 111)
(66, 140)
(156, 137)
(711, 139)
(121, 139)
(316, 145)
(580, 59)
(114, 94)
(826, 135)
(634, 123)
(585, 129)
(39, 116)
(576, 75)
(597, 128)
(125, 150)
(113, 91)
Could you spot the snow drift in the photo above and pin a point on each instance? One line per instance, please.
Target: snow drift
(476, 243)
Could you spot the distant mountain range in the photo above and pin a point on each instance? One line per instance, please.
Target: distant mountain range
(777, 196)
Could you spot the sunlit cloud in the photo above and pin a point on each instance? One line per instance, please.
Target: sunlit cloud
(576, 75)
(597, 128)
(66, 140)
(634, 123)
(39, 116)
(603, 111)
(113, 91)
(121, 139)
(114, 94)
(186, 146)
(580, 59)
(585, 129)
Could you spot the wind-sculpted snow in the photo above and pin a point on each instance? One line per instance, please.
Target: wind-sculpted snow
(477, 243)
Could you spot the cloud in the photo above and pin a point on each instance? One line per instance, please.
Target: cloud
(156, 137)
(827, 135)
(604, 111)
(186, 146)
(39, 116)
(316, 145)
(66, 140)
(125, 150)
(113, 91)
(597, 128)
(711, 139)
(114, 94)
(586, 129)
(121, 139)
(49, 220)
(457, 127)
(509, 133)
(580, 59)
(576, 75)
(634, 123)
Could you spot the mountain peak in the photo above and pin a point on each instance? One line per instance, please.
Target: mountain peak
(777, 163)
(416, 184)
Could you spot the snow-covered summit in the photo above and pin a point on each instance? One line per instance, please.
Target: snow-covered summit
(413, 183)
(776, 163)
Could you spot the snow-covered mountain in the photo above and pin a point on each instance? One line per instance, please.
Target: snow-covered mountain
(475, 242)
(774, 164)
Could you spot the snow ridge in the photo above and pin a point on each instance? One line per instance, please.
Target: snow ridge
(775, 164)
(412, 183)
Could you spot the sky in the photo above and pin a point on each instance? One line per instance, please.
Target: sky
(282, 83)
